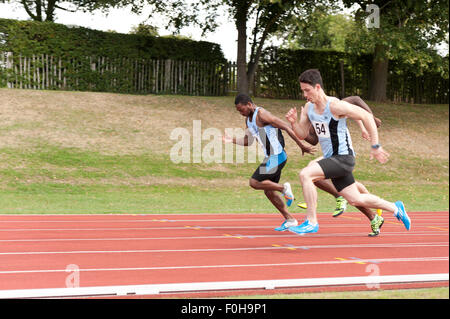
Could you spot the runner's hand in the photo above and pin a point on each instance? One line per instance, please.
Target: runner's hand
(291, 116)
(380, 154)
(365, 135)
(227, 139)
(307, 149)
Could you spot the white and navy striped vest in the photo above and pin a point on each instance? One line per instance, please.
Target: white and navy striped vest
(270, 138)
(333, 134)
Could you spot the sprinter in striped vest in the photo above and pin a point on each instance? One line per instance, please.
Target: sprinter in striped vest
(267, 129)
(328, 117)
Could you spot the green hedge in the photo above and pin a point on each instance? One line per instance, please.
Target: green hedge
(280, 69)
(45, 55)
(30, 37)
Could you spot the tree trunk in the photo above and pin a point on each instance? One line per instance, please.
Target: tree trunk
(252, 66)
(379, 76)
(341, 64)
(241, 61)
(36, 12)
(39, 10)
(256, 50)
(50, 12)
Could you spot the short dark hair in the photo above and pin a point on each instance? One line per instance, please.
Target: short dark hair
(312, 77)
(242, 99)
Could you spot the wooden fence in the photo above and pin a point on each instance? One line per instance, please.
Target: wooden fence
(143, 76)
(125, 75)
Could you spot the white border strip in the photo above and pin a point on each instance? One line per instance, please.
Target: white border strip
(219, 285)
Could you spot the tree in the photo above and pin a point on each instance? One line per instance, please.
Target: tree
(324, 28)
(408, 30)
(268, 16)
(45, 10)
(145, 29)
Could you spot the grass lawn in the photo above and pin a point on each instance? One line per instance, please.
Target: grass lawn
(81, 152)
(418, 293)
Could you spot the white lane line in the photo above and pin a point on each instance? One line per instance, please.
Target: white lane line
(219, 285)
(187, 214)
(129, 228)
(402, 234)
(137, 220)
(443, 219)
(204, 227)
(327, 262)
(142, 238)
(398, 245)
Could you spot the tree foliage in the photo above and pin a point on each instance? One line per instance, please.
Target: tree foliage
(45, 10)
(267, 16)
(145, 29)
(324, 28)
(408, 31)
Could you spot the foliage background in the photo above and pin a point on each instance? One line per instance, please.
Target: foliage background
(30, 37)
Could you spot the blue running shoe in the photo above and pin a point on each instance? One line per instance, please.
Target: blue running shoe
(304, 228)
(402, 215)
(287, 223)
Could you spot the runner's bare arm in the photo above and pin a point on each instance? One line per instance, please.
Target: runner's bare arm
(345, 109)
(268, 118)
(356, 100)
(245, 140)
(312, 136)
(301, 127)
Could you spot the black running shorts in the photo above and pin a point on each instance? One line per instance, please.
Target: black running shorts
(270, 168)
(339, 169)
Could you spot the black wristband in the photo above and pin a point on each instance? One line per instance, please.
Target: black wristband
(375, 146)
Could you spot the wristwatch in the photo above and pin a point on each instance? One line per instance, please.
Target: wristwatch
(375, 146)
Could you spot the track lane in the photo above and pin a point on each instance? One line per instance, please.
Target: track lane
(36, 250)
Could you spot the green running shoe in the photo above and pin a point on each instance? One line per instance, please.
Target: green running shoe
(341, 205)
(376, 224)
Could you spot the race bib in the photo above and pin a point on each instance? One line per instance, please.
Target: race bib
(321, 129)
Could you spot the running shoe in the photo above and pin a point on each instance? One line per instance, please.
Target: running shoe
(376, 224)
(402, 215)
(305, 228)
(302, 205)
(286, 224)
(288, 195)
(341, 205)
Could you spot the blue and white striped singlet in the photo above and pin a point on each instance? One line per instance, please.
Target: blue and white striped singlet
(270, 138)
(333, 134)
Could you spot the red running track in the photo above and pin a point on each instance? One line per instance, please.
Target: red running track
(57, 251)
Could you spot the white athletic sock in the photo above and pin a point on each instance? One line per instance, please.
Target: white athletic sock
(313, 224)
(395, 211)
(291, 222)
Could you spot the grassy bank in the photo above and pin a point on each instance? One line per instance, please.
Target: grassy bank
(419, 293)
(79, 152)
